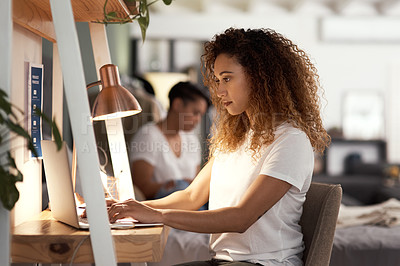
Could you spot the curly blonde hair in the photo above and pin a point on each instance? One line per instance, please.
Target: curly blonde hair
(284, 86)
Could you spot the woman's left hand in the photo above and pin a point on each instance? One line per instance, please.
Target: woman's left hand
(133, 209)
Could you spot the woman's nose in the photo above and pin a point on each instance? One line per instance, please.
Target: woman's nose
(221, 91)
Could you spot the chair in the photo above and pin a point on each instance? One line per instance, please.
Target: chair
(318, 221)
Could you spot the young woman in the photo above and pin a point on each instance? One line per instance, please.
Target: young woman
(265, 91)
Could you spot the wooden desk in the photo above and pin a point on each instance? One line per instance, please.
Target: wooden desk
(44, 240)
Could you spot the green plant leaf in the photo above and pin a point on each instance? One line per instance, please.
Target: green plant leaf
(56, 133)
(143, 27)
(143, 10)
(21, 132)
(31, 147)
(3, 93)
(17, 129)
(9, 173)
(9, 194)
(5, 105)
(12, 164)
(144, 18)
(111, 15)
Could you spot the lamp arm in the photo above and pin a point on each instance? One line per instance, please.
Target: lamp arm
(93, 84)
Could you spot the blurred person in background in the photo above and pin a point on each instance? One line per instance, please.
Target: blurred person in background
(166, 156)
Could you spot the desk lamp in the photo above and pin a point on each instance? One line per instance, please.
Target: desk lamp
(113, 101)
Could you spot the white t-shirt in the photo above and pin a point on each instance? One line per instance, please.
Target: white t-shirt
(150, 145)
(275, 236)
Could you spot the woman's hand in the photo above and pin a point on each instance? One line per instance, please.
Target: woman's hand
(110, 201)
(134, 209)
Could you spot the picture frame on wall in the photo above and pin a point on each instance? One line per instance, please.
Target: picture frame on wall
(363, 115)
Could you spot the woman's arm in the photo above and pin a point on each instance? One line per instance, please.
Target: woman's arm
(142, 173)
(192, 198)
(258, 199)
(264, 192)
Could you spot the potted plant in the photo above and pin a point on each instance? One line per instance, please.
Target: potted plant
(9, 173)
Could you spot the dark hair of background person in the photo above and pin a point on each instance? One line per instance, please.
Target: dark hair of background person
(188, 91)
(146, 85)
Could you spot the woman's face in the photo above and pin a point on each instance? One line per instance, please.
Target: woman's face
(233, 86)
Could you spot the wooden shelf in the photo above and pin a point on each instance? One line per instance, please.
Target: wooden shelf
(35, 15)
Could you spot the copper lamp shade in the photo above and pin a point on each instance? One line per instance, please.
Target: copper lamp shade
(113, 101)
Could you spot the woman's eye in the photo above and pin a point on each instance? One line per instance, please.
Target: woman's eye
(227, 79)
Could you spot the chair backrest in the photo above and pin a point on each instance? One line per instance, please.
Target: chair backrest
(318, 221)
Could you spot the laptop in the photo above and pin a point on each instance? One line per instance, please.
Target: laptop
(61, 193)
